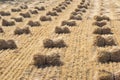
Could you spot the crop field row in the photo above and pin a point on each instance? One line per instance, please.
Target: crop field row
(60, 40)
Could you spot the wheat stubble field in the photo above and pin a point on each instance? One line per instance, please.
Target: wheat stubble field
(60, 40)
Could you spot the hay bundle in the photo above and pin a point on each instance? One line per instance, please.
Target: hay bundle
(62, 7)
(54, 8)
(100, 18)
(45, 18)
(59, 43)
(76, 10)
(3, 44)
(83, 6)
(33, 11)
(76, 13)
(25, 15)
(33, 23)
(24, 7)
(67, 2)
(63, 4)
(40, 8)
(115, 54)
(11, 44)
(104, 30)
(83, 1)
(52, 13)
(76, 17)
(97, 31)
(83, 10)
(26, 30)
(57, 9)
(19, 31)
(69, 23)
(100, 23)
(47, 60)
(16, 10)
(99, 41)
(109, 40)
(7, 23)
(103, 56)
(63, 29)
(0, 17)
(48, 43)
(103, 75)
(53, 59)
(17, 19)
(60, 4)
(1, 30)
(3, 13)
(39, 60)
(106, 18)
(80, 10)
(112, 55)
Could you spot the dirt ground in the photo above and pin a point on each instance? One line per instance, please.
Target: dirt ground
(17, 64)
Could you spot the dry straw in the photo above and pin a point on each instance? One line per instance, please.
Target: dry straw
(77, 13)
(33, 11)
(57, 9)
(76, 17)
(105, 56)
(19, 31)
(45, 18)
(7, 23)
(68, 22)
(115, 54)
(58, 42)
(103, 75)
(101, 18)
(17, 19)
(83, 6)
(100, 23)
(25, 15)
(15, 9)
(41, 8)
(106, 40)
(33, 23)
(1, 30)
(3, 13)
(10, 44)
(103, 30)
(52, 13)
(24, 6)
(63, 29)
(52, 59)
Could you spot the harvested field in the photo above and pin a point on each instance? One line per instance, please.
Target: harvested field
(29, 30)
